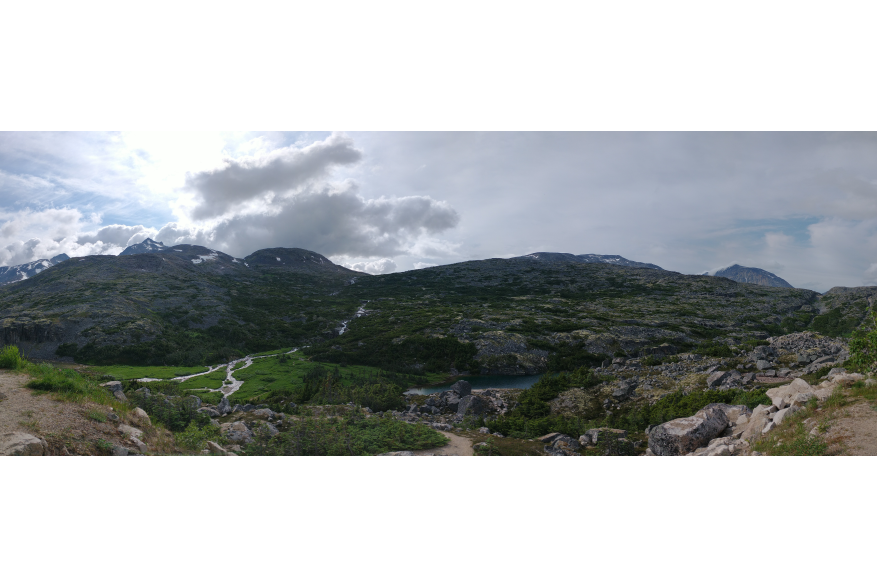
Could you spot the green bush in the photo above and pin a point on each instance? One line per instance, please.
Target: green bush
(10, 358)
(679, 405)
(195, 437)
(174, 412)
(351, 434)
(714, 350)
(863, 345)
(835, 323)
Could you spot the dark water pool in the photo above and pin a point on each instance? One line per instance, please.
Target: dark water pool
(484, 382)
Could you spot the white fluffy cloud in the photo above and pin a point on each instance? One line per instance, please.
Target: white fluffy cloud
(379, 267)
(59, 231)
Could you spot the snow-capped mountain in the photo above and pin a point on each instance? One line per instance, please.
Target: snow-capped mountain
(590, 258)
(749, 275)
(147, 246)
(20, 272)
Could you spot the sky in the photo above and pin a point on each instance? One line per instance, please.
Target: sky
(801, 205)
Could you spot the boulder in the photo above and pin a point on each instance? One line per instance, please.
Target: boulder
(397, 453)
(731, 412)
(472, 405)
(550, 437)
(120, 451)
(593, 434)
(761, 364)
(22, 444)
(237, 432)
(723, 447)
(224, 407)
(781, 414)
(216, 449)
(624, 391)
(462, 388)
(194, 401)
(801, 399)
(141, 446)
(120, 396)
(685, 435)
(113, 386)
(562, 446)
(759, 419)
(130, 431)
(782, 395)
(716, 379)
(265, 414)
(210, 412)
(139, 417)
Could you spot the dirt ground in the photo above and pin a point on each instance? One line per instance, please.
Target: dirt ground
(65, 426)
(856, 428)
(457, 447)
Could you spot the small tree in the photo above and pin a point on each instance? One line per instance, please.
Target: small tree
(863, 345)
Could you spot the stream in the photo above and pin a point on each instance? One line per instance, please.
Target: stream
(229, 388)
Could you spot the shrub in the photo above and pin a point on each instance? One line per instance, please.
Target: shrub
(174, 412)
(351, 434)
(714, 350)
(863, 345)
(195, 437)
(10, 358)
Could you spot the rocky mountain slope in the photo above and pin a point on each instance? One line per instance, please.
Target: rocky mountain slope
(189, 305)
(611, 259)
(26, 270)
(186, 305)
(750, 275)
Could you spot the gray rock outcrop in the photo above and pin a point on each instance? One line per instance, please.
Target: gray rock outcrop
(684, 435)
(22, 444)
(224, 407)
(462, 388)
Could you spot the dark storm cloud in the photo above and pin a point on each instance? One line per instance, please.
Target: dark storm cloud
(333, 220)
(282, 171)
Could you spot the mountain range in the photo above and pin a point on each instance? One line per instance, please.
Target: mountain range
(611, 259)
(25, 270)
(198, 254)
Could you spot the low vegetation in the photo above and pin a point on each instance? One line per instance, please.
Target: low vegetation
(348, 433)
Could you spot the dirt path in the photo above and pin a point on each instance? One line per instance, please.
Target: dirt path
(856, 428)
(457, 447)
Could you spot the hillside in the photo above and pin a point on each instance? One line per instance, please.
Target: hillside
(190, 305)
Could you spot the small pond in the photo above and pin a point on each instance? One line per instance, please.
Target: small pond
(483, 382)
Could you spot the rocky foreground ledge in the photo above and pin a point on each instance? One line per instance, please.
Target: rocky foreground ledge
(717, 429)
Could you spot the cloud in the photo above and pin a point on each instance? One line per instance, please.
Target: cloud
(27, 235)
(264, 177)
(118, 234)
(331, 219)
(379, 267)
